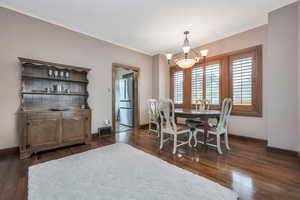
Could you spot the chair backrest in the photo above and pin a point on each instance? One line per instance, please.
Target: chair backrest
(153, 109)
(167, 116)
(225, 113)
(202, 104)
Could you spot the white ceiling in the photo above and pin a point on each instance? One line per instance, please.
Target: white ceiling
(152, 26)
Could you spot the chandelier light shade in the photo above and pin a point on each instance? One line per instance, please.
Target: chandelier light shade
(186, 63)
(168, 56)
(190, 57)
(204, 52)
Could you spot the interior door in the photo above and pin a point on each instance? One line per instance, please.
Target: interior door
(43, 132)
(73, 126)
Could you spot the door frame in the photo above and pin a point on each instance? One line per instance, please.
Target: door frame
(116, 66)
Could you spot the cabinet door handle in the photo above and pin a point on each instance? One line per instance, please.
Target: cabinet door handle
(28, 123)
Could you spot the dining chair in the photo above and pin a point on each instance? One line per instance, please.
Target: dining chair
(168, 125)
(219, 129)
(153, 115)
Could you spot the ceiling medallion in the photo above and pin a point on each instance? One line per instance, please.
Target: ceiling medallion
(189, 58)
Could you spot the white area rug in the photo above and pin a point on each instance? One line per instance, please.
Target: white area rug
(117, 172)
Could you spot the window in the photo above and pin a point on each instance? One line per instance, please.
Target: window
(211, 85)
(242, 81)
(197, 84)
(245, 84)
(212, 75)
(178, 87)
(237, 75)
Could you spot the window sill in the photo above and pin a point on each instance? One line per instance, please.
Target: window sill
(247, 113)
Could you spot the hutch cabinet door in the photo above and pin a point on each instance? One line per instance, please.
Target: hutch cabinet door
(43, 133)
(73, 127)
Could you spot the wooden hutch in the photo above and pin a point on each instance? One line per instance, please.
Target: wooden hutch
(54, 111)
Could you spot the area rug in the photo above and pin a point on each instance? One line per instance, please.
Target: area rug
(119, 172)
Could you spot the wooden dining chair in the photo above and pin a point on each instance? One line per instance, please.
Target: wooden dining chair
(168, 125)
(219, 129)
(153, 116)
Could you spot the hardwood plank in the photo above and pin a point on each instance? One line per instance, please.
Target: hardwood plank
(248, 168)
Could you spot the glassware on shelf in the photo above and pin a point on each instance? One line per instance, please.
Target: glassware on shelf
(61, 74)
(55, 73)
(50, 72)
(67, 75)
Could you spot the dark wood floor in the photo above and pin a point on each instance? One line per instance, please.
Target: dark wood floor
(248, 168)
(122, 128)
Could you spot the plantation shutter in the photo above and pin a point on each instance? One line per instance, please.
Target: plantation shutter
(212, 75)
(242, 70)
(197, 84)
(178, 87)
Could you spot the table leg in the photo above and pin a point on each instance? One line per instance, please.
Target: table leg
(205, 130)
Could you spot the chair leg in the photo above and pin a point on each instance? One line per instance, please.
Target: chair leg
(190, 138)
(219, 144)
(195, 138)
(161, 140)
(157, 129)
(149, 127)
(226, 141)
(175, 144)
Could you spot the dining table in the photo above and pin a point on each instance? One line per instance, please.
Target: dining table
(203, 115)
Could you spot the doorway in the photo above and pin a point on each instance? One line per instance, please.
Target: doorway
(125, 105)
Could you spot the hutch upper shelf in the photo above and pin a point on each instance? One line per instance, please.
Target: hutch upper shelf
(48, 86)
(30, 76)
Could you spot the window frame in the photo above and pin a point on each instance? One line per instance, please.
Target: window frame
(256, 108)
(203, 88)
(204, 65)
(173, 70)
(225, 81)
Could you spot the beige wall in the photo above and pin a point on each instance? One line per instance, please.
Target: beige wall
(155, 76)
(164, 84)
(23, 36)
(161, 84)
(281, 76)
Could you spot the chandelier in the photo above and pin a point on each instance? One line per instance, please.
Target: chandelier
(190, 57)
